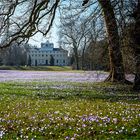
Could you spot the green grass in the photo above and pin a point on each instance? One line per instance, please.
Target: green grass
(53, 110)
(37, 68)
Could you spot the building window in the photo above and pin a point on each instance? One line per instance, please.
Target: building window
(56, 61)
(46, 55)
(63, 61)
(42, 55)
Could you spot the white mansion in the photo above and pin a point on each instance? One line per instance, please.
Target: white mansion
(47, 55)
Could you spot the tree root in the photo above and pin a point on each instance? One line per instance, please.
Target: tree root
(119, 80)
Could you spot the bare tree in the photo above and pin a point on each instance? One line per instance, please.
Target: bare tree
(76, 28)
(73, 33)
(21, 19)
(116, 63)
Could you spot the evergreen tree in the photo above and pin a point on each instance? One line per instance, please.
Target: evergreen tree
(51, 61)
(29, 61)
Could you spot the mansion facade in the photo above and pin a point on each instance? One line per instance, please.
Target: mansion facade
(47, 55)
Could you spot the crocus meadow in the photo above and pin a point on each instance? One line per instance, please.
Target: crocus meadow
(83, 76)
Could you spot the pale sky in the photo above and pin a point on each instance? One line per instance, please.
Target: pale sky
(52, 37)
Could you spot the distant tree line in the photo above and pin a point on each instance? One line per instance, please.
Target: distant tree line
(16, 55)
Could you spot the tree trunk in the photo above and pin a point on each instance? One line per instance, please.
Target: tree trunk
(83, 58)
(76, 58)
(77, 63)
(136, 39)
(116, 62)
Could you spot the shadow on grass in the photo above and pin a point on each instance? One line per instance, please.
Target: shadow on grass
(97, 91)
(76, 94)
(92, 95)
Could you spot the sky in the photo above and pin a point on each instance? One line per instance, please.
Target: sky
(52, 37)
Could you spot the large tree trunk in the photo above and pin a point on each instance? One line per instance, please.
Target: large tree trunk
(116, 62)
(77, 63)
(76, 57)
(83, 58)
(136, 38)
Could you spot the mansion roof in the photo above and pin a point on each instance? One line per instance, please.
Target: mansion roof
(48, 47)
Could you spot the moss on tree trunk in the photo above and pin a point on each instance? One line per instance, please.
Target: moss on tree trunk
(136, 38)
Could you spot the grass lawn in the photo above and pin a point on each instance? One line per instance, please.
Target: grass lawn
(54, 110)
(37, 68)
